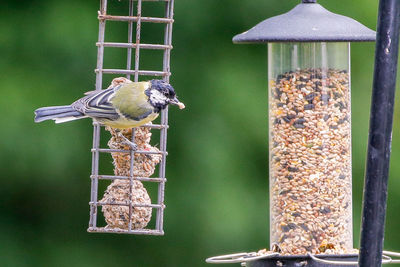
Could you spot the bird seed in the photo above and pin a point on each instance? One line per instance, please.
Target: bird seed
(310, 162)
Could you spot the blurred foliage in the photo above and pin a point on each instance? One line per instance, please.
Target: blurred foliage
(217, 190)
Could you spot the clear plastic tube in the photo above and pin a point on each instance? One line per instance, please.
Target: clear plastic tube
(310, 148)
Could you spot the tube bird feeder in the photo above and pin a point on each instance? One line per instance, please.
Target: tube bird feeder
(309, 127)
(310, 172)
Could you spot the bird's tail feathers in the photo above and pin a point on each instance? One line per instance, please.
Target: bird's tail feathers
(59, 113)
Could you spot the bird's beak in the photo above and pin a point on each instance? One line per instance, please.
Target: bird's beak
(176, 102)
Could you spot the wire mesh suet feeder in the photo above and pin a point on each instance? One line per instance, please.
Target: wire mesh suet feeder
(126, 205)
(310, 172)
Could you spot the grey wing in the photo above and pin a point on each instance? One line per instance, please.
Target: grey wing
(97, 104)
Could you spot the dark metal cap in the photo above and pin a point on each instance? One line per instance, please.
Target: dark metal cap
(307, 22)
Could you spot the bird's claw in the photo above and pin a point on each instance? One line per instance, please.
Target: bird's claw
(126, 141)
(132, 145)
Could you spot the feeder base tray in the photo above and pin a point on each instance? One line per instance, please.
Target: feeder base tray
(307, 261)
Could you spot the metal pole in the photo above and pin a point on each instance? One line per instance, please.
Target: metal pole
(380, 133)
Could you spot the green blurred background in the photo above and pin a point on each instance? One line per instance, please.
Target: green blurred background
(217, 190)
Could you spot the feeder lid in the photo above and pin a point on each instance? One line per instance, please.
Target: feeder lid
(307, 22)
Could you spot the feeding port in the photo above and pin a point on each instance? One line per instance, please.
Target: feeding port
(310, 148)
(126, 205)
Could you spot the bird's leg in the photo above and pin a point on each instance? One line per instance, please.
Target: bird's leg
(126, 141)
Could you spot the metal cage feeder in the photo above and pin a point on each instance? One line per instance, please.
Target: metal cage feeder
(310, 172)
(130, 209)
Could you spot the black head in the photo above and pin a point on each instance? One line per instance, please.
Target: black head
(164, 88)
(166, 95)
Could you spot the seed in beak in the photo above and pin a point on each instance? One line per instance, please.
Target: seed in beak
(181, 105)
(176, 102)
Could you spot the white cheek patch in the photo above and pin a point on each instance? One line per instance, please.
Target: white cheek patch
(157, 97)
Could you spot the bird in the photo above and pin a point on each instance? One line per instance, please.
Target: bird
(123, 106)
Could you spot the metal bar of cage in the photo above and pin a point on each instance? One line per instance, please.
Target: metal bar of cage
(134, 45)
(108, 150)
(163, 126)
(94, 176)
(96, 127)
(99, 203)
(119, 177)
(169, 13)
(136, 19)
(121, 231)
(135, 72)
(137, 53)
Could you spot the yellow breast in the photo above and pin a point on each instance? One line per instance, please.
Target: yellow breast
(124, 123)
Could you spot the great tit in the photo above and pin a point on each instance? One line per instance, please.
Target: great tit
(128, 105)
